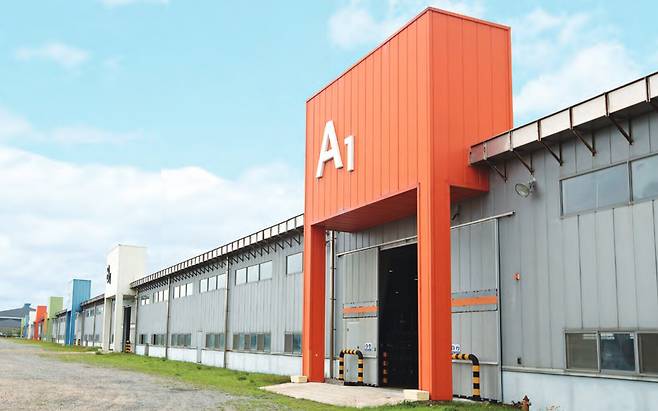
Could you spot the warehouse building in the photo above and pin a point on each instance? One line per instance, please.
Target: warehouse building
(11, 321)
(432, 226)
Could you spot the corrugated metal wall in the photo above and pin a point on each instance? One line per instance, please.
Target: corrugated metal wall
(594, 270)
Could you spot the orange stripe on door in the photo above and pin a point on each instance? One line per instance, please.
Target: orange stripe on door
(484, 300)
(360, 309)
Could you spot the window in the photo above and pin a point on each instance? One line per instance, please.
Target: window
(292, 343)
(263, 343)
(253, 344)
(246, 342)
(157, 339)
(236, 342)
(215, 341)
(203, 285)
(176, 292)
(645, 178)
(165, 294)
(252, 274)
(190, 288)
(597, 189)
(648, 350)
(582, 351)
(617, 351)
(221, 281)
(212, 283)
(266, 270)
(143, 338)
(267, 343)
(240, 276)
(294, 264)
(210, 341)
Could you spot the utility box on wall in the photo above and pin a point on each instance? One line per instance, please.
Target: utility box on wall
(361, 334)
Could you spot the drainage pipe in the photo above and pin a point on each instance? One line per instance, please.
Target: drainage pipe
(332, 300)
(226, 308)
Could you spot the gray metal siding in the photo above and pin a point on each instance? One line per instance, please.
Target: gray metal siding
(593, 270)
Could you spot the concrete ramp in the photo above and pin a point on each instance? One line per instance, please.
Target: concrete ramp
(339, 395)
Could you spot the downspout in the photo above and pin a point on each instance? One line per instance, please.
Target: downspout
(332, 299)
(133, 346)
(226, 310)
(170, 296)
(93, 327)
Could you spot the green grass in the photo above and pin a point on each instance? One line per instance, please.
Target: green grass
(244, 385)
(51, 346)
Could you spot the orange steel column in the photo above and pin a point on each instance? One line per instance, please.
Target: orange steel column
(314, 300)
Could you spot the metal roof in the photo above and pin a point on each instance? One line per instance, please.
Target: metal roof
(92, 300)
(609, 108)
(61, 312)
(262, 236)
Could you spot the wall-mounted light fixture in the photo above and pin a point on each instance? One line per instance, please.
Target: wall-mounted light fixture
(524, 190)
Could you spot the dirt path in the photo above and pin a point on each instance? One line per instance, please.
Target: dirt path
(29, 381)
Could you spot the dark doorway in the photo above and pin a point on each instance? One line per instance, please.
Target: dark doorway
(398, 319)
(126, 327)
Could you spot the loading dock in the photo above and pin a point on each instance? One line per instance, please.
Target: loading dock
(398, 319)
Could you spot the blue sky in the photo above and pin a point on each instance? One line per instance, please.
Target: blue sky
(180, 124)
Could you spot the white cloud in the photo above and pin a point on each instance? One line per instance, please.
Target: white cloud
(355, 24)
(119, 3)
(65, 55)
(13, 126)
(58, 220)
(565, 58)
(592, 70)
(82, 134)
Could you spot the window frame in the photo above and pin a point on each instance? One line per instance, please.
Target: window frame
(638, 359)
(260, 270)
(301, 254)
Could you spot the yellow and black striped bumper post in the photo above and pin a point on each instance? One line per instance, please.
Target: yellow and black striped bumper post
(341, 365)
(476, 373)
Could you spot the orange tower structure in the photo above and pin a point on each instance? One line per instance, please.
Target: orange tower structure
(389, 138)
(41, 317)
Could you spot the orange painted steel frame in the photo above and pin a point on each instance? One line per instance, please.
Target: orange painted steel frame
(414, 106)
(41, 314)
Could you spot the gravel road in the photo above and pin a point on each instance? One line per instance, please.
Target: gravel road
(29, 381)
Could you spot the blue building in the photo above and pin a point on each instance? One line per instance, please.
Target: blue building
(78, 291)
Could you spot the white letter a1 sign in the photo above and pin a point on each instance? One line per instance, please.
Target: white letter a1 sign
(329, 150)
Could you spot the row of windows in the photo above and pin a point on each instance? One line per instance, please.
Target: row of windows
(91, 337)
(613, 351)
(90, 312)
(181, 340)
(252, 342)
(263, 271)
(213, 283)
(183, 290)
(255, 342)
(620, 184)
(253, 273)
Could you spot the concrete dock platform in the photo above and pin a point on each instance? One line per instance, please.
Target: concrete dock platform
(346, 396)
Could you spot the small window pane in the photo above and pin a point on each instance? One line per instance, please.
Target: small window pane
(296, 343)
(252, 274)
(236, 342)
(210, 340)
(212, 283)
(648, 353)
(246, 342)
(203, 285)
(221, 281)
(254, 342)
(267, 343)
(166, 294)
(287, 343)
(294, 263)
(617, 351)
(261, 342)
(266, 270)
(645, 178)
(581, 351)
(612, 186)
(241, 342)
(241, 276)
(190, 288)
(219, 341)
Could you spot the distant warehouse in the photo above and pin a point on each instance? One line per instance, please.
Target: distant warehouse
(432, 226)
